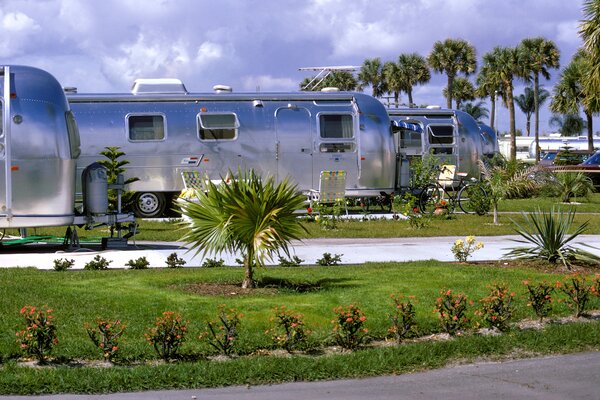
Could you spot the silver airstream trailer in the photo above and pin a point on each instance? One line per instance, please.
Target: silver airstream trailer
(165, 130)
(452, 136)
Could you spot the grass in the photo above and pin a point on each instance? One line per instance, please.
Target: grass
(137, 297)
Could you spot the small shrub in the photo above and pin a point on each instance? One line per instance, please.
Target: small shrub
(139, 263)
(329, 260)
(289, 332)
(497, 308)
(213, 263)
(167, 335)
(223, 335)
(409, 207)
(39, 336)
(578, 292)
(62, 264)
(596, 285)
(463, 249)
(174, 261)
(539, 298)
(348, 327)
(294, 261)
(105, 335)
(452, 310)
(98, 263)
(402, 318)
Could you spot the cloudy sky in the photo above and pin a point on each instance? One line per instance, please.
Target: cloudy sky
(103, 45)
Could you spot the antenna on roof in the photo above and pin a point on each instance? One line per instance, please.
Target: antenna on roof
(324, 72)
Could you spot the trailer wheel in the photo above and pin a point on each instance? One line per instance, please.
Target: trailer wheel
(149, 204)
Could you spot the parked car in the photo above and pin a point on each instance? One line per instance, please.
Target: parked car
(565, 157)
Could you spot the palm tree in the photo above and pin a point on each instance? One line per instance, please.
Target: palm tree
(488, 85)
(589, 30)
(501, 64)
(463, 90)
(451, 57)
(413, 70)
(568, 124)
(476, 110)
(371, 74)
(536, 55)
(342, 80)
(570, 93)
(393, 80)
(526, 103)
(248, 215)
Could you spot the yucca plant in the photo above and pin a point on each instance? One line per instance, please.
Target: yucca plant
(246, 214)
(548, 233)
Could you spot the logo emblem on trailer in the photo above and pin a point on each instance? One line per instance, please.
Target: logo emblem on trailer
(193, 161)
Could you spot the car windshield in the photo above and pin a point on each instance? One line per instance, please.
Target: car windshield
(593, 160)
(549, 156)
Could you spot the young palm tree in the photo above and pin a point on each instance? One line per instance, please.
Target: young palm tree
(371, 74)
(526, 103)
(570, 184)
(570, 92)
(451, 57)
(248, 215)
(413, 70)
(463, 90)
(536, 55)
(488, 85)
(502, 64)
(476, 110)
(393, 80)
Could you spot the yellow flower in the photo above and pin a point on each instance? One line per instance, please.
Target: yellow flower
(470, 239)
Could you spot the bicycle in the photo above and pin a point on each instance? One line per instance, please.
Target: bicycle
(466, 193)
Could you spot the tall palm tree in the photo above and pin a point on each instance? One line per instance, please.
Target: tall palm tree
(463, 90)
(393, 80)
(476, 110)
(526, 102)
(451, 57)
(568, 124)
(248, 215)
(589, 30)
(570, 93)
(371, 74)
(413, 71)
(488, 85)
(342, 80)
(502, 64)
(536, 55)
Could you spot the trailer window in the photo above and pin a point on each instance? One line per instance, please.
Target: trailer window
(73, 135)
(217, 126)
(336, 126)
(146, 127)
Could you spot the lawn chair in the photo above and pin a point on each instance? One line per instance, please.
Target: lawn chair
(446, 176)
(332, 188)
(193, 181)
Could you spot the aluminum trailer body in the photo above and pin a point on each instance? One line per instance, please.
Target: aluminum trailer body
(164, 130)
(39, 144)
(452, 136)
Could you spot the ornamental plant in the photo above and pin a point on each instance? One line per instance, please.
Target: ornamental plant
(329, 260)
(407, 205)
(497, 308)
(138, 263)
(63, 264)
(452, 311)
(105, 335)
(348, 327)
(167, 335)
(402, 317)
(539, 298)
(463, 249)
(223, 335)
(289, 331)
(174, 261)
(39, 336)
(98, 263)
(577, 290)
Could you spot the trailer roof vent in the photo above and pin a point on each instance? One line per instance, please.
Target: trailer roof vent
(222, 89)
(434, 107)
(330, 89)
(160, 85)
(70, 89)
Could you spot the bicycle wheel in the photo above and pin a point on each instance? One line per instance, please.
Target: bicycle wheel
(472, 199)
(428, 198)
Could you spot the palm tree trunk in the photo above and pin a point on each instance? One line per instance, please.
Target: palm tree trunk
(409, 94)
(513, 131)
(536, 106)
(495, 214)
(590, 129)
(528, 126)
(493, 112)
(450, 93)
(248, 282)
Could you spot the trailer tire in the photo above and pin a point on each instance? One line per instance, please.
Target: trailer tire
(149, 204)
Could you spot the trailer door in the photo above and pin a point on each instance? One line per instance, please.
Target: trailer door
(294, 146)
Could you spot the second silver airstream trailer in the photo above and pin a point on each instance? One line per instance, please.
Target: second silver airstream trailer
(165, 130)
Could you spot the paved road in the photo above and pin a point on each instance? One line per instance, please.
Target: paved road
(573, 376)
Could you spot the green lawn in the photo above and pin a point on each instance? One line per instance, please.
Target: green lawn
(137, 297)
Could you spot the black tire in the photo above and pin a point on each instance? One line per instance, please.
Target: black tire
(149, 204)
(467, 193)
(430, 195)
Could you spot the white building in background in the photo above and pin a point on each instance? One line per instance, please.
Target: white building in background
(526, 146)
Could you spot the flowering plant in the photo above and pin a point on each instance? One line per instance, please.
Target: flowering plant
(577, 290)
(105, 335)
(463, 249)
(452, 310)
(348, 329)
(497, 308)
(540, 298)
(402, 317)
(39, 335)
(289, 332)
(223, 337)
(441, 204)
(167, 334)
